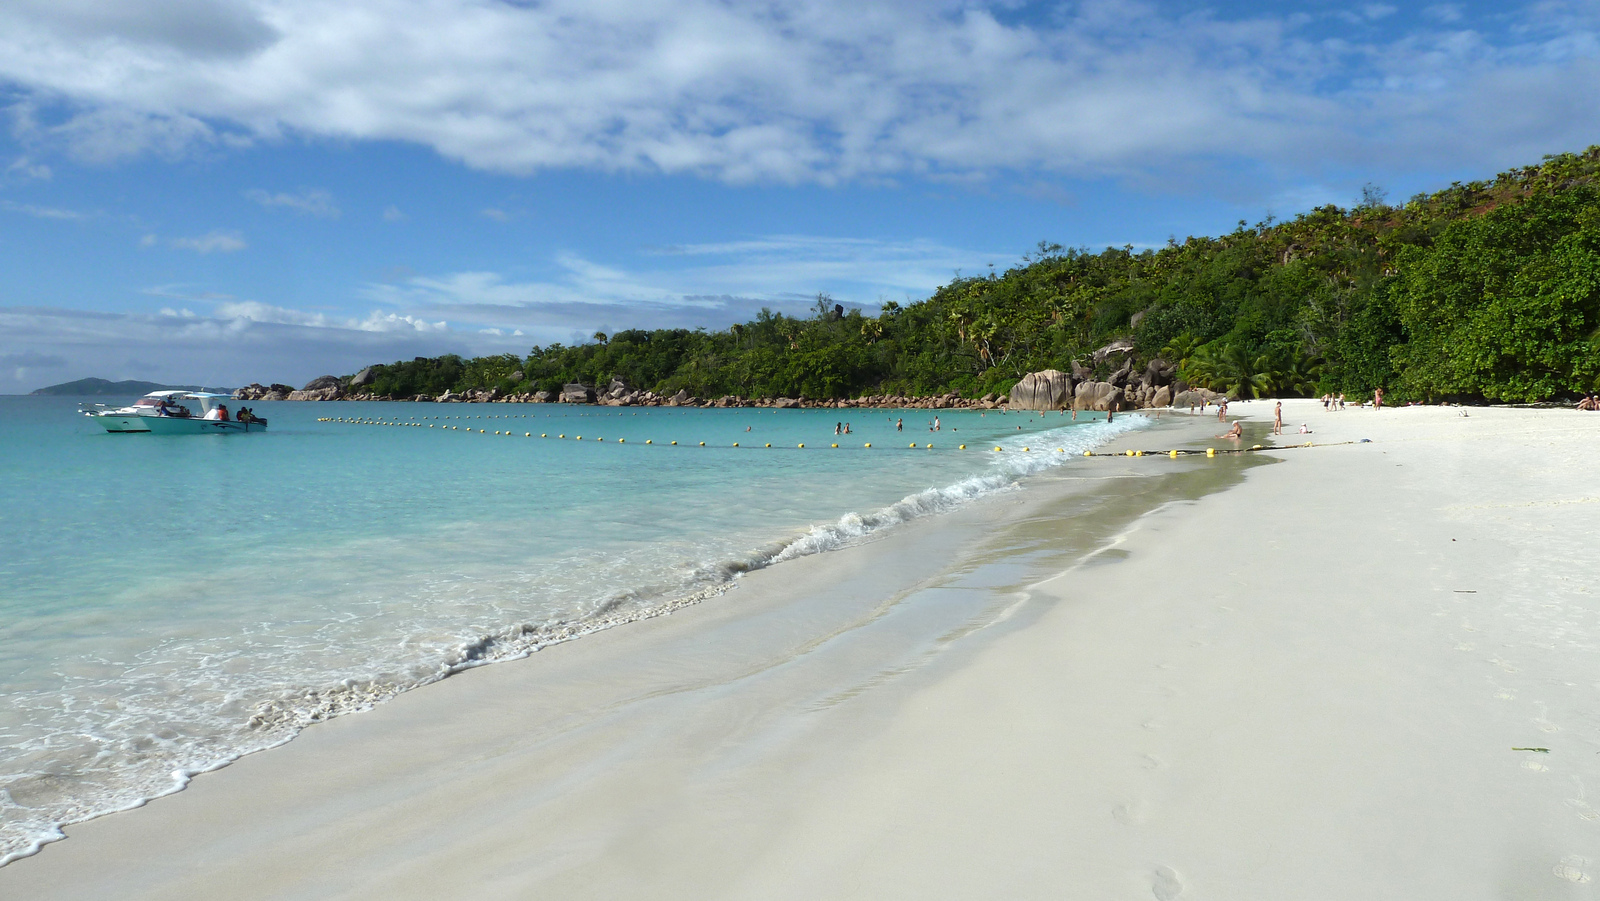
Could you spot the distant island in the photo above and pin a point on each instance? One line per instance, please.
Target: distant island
(126, 388)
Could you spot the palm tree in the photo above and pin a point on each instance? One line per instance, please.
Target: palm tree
(600, 338)
(1179, 349)
(1229, 369)
(1289, 373)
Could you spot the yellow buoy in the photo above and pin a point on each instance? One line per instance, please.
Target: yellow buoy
(648, 441)
(1024, 450)
(674, 444)
(912, 444)
(997, 449)
(702, 444)
(543, 435)
(1172, 454)
(1088, 453)
(529, 435)
(930, 445)
(802, 445)
(1211, 452)
(869, 444)
(836, 445)
(963, 447)
(736, 444)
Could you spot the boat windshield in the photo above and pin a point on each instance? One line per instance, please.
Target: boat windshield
(149, 402)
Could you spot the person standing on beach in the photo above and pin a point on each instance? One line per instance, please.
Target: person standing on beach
(1277, 418)
(1377, 398)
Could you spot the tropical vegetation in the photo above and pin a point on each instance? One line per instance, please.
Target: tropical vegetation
(1485, 291)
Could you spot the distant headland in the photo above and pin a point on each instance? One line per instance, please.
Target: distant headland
(126, 388)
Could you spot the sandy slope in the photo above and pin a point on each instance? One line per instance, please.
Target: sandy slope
(1305, 686)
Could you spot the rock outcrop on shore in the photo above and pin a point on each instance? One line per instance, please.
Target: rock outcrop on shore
(1050, 389)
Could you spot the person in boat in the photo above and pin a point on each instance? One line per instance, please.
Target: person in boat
(164, 408)
(219, 413)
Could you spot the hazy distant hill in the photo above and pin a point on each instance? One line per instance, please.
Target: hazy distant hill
(129, 388)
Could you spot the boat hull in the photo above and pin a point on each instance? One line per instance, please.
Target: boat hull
(174, 425)
(114, 423)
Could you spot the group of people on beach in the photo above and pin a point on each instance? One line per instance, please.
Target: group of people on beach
(1589, 402)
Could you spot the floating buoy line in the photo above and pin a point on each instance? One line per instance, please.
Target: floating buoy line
(1171, 454)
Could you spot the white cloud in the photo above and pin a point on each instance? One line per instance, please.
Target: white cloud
(692, 285)
(391, 213)
(22, 167)
(377, 321)
(211, 242)
(790, 91)
(495, 214)
(42, 212)
(391, 322)
(312, 202)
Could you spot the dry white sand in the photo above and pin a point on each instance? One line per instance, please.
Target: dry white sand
(1309, 685)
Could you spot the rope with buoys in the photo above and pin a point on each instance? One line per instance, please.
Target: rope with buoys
(1170, 453)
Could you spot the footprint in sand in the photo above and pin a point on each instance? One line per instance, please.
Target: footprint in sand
(1583, 808)
(1165, 885)
(1535, 765)
(1152, 762)
(1570, 869)
(1131, 813)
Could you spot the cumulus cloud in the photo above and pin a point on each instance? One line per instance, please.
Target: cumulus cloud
(312, 202)
(211, 242)
(791, 91)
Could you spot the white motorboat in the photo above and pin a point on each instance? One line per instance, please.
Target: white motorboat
(131, 418)
(211, 420)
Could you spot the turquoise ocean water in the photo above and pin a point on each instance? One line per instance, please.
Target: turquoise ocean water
(168, 603)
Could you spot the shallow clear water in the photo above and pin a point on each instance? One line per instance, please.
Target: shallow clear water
(168, 603)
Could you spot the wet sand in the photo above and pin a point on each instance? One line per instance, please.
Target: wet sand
(1299, 674)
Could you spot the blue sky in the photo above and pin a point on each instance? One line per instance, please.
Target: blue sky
(226, 192)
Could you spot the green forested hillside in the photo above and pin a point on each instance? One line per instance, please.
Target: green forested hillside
(1482, 291)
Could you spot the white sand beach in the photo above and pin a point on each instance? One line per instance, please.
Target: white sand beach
(1359, 670)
